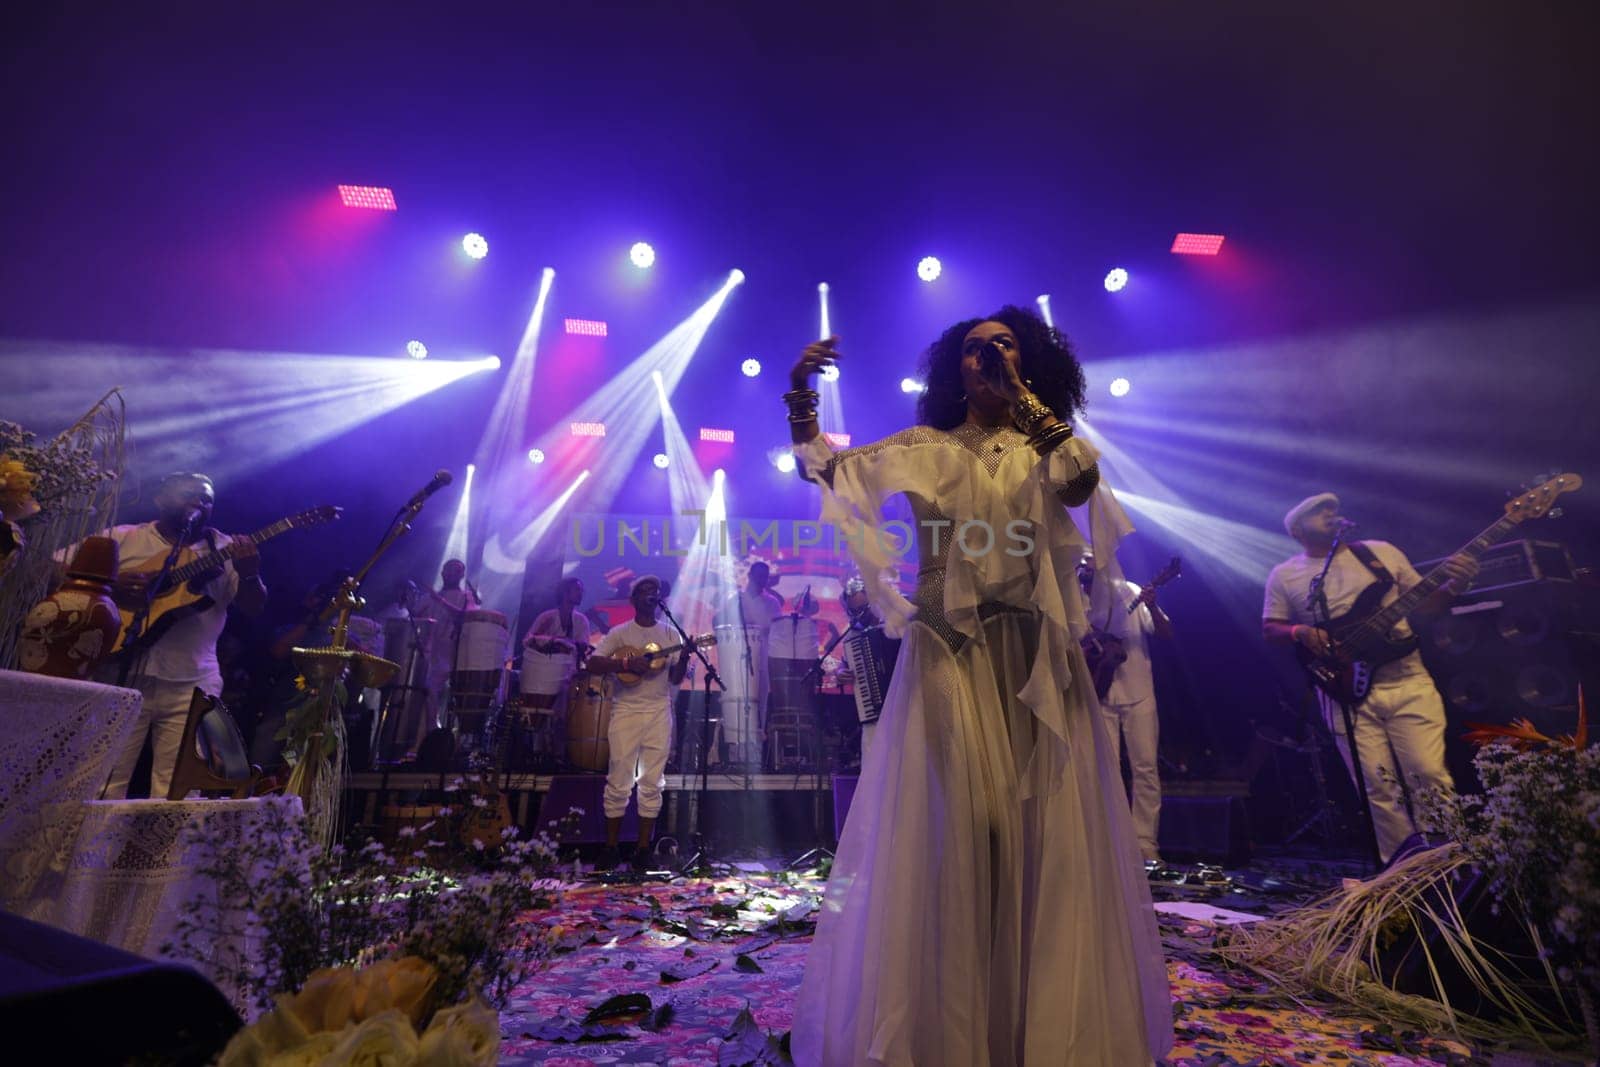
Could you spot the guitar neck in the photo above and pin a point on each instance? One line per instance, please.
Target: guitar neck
(209, 562)
(1390, 616)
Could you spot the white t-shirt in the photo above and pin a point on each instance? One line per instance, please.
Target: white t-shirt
(187, 652)
(654, 692)
(1134, 680)
(1289, 592)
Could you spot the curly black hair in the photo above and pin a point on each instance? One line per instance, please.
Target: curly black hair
(1048, 361)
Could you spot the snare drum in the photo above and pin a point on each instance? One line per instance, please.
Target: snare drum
(589, 722)
(794, 637)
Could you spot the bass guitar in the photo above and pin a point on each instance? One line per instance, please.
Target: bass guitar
(657, 657)
(1104, 650)
(1363, 639)
(182, 593)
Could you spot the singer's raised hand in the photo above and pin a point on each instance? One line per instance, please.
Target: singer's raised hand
(813, 358)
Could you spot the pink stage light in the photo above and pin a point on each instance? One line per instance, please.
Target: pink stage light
(1197, 244)
(838, 440)
(709, 434)
(586, 327)
(371, 197)
(588, 429)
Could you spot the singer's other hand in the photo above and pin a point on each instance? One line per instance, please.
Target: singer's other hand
(813, 358)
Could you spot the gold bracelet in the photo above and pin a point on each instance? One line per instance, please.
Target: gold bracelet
(1029, 413)
(1045, 441)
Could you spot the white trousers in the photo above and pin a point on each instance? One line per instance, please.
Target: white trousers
(1400, 735)
(1139, 727)
(162, 717)
(640, 741)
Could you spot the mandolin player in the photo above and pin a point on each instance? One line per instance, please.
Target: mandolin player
(641, 713)
(183, 654)
(1399, 726)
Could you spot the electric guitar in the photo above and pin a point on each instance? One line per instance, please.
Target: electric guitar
(487, 813)
(1362, 639)
(657, 657)
(182, 593)
(1104, 650)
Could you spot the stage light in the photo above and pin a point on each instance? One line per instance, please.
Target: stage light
(489, 362)
(822, 287)
(708, 433)
(642, 255)
(751, 367)
(911, 385)
(472, 468)
(1120, 386)
(1043, 300)
(1116, 278)
(830, 373)
(660, 460)
(458, 543)
(587, 429)
(535, 455)
(586, 327)
(1197, 244)
(826, 328)
(416, 350)
(929, 268)
(474, 245)
(371, 197)
(784, 461)
(736, 276)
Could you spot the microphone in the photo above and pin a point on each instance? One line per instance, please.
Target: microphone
(1345, 526)
(992, 356)
(441, 478)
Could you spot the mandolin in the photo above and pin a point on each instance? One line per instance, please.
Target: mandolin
(658, 657)
(183, 592)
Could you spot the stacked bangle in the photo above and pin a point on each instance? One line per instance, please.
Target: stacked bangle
(1029, 414)
(1045, 441)
(802, 404)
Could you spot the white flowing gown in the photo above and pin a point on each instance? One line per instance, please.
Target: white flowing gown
(987, 905)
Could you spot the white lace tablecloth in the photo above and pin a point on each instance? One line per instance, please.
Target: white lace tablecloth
(58, 740)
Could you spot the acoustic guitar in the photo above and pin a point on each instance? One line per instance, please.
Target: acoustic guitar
(657, 657)
(182, 593)
(1104, 650)
(1362, 639)
(487, 813)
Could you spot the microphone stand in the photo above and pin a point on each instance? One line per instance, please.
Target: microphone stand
(702, 857)
(1321, 615)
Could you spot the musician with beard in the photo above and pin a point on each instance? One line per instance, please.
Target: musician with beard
(1399, 727)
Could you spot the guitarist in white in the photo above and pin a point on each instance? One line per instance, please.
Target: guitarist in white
(1399, 726)
(184, 656)
(641, 713)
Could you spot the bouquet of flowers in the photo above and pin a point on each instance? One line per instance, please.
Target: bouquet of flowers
(375, 1014)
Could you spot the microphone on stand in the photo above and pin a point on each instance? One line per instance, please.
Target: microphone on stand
(1345, 525)
(441, 478)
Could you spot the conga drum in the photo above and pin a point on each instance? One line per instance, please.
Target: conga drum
(479, 667)
(544, 676)
(589, 723)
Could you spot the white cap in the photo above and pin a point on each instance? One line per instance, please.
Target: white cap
(1291, 520)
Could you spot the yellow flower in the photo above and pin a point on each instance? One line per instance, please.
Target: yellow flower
(300, 682)
(467, 1035)
(385, 1040)
(404, 984)
(15, 478)
(326, 1002)
(316, 1050)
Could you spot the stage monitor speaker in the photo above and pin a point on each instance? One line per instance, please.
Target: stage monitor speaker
(586, 793)
(98, 1004)
(1215, 829)
(1517, 652)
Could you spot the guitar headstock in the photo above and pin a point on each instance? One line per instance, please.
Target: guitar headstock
(705, 641)
(1541, 498)
(1166, 574)
(315, 516)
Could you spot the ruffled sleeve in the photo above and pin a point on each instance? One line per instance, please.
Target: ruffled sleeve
(854, 484)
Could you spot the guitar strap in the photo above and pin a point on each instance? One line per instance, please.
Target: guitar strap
(1370, 560)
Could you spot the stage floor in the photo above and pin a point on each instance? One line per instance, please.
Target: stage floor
(707, 951)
